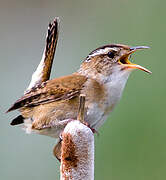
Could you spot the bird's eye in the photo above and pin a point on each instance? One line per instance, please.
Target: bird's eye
(111, 54)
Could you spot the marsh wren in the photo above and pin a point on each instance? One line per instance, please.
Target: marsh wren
(101, 78)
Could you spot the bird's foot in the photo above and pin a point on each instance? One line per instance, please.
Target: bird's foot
(92, 129)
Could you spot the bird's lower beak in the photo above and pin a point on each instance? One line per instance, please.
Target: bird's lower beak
(124, 60)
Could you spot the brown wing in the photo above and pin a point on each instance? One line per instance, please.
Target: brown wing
(57, 89)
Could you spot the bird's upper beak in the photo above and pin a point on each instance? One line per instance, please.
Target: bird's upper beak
(127, 64)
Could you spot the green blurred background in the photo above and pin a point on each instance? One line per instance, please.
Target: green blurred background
(132, 143)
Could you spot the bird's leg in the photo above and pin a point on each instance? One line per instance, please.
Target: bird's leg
(92, 129)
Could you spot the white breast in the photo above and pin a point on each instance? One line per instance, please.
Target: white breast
(114, 86)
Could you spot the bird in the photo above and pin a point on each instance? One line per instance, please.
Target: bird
(47, 104)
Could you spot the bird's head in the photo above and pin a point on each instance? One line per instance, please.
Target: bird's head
(111, 60)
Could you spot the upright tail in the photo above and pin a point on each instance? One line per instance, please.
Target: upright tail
(43, 70)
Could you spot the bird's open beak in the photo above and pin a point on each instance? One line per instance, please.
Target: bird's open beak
(127, 64)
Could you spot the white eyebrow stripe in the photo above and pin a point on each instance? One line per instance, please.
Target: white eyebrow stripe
(101, 51)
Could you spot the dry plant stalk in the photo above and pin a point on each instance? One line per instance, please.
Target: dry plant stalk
(81, 108)
(77, 152)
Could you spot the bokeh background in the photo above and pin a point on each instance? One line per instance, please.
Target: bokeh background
(132, 143)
